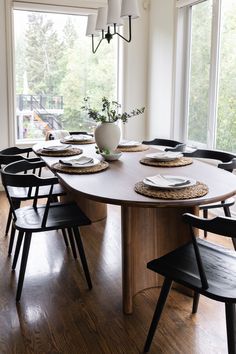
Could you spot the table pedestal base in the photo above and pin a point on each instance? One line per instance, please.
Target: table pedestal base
(95, 211)
(148, 233)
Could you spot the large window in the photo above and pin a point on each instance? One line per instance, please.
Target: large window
(54, 70)
(209, 90)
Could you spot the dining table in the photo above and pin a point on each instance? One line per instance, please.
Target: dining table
(150, 226)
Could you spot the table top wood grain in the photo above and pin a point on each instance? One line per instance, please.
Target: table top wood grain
(116, 184)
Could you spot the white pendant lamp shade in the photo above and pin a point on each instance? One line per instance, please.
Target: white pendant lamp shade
(130, 8)
(101, 19)
(113, 16)
(91, 25)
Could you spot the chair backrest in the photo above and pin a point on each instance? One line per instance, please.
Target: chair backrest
(59, 134)
(13, 175)
(228, 161)
(173, 145)
(222, 226)
(7, 159)
(16, 151)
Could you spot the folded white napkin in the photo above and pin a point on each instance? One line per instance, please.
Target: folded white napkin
(57, 147)
(129, 143)
(165, 181)
(165, 155)
(78, 161)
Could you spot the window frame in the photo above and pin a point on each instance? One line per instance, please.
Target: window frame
(181, 76)
(47, 7)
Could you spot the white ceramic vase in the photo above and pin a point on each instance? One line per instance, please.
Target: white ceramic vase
(107, 136)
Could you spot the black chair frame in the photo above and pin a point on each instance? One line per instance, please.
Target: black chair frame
(173, 145)
(26, 193)
(226, 161)
(51, 216)
(206, 268)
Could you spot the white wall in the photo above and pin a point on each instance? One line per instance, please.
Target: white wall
(4, 140)
(135, 61)
(161, 46)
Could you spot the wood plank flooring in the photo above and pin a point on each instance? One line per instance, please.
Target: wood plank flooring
(58, 314)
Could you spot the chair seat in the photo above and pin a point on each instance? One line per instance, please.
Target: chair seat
(60, 216)
(219, 264)
(21, 193)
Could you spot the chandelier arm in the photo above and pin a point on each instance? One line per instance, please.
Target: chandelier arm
(130, 34)
(100, 41)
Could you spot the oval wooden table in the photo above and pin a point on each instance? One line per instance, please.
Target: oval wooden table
(150, 227)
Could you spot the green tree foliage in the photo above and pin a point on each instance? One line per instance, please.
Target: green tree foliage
(43, 53)
(87, 75)
(58, 60)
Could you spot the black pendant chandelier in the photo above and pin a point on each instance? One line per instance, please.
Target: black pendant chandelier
(105, 23)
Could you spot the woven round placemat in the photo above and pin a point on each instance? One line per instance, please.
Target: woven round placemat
(199, 190)
(69, 152)
(182, 161)
(78, 142)
(133, 148)
(103, 165)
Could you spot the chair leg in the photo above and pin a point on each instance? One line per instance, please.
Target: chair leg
(82, 256)
(205, 215)
(231, 327)
(228, 214)
(227, 211)
(9, 219)
(23, 265)
(65, 237)
(17, 251)
(195, 302)
(12, 237)
(158, 311)
(72, 242)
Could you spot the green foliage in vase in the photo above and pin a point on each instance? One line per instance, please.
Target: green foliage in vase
(109, 111)
(102, 151)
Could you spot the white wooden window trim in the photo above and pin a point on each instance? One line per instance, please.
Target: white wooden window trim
(214, 75)
(52, 8)
(183, 3)
(86, 4)
(180, 75)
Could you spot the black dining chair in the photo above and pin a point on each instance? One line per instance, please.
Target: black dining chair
(225, 161)
(172, 145)
(19, 195)
(37, 218)
(52, 135)
(206, 268)
(14, 150)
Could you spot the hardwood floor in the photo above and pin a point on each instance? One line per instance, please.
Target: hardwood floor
(58, 314)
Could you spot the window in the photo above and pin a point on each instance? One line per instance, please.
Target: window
(54, 70)
(209, 73)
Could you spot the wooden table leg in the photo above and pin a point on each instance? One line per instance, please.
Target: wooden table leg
(148, 233)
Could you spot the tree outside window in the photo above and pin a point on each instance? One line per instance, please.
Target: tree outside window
(55, 70)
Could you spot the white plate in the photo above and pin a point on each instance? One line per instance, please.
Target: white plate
(164, 156)
(79, 162)
(169, 181)
(128, 143)
(78, 137)
(55, 148)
